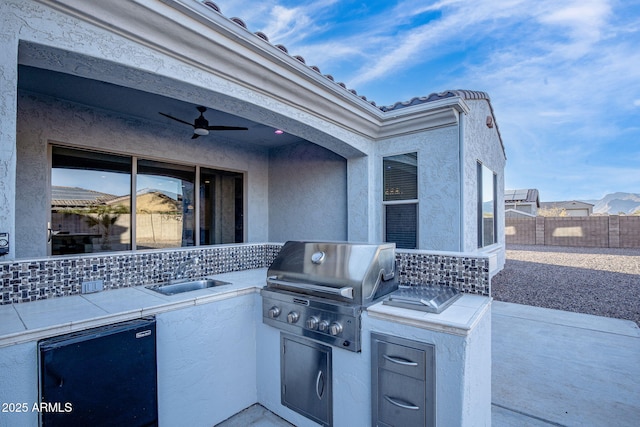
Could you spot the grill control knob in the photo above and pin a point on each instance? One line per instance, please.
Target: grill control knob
(312, 322)
(335, 328)
(273, 312)
(293, 317)
(323, 326)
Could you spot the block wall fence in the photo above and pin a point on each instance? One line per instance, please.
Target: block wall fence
(613, 231)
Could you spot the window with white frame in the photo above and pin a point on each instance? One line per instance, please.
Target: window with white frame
(487, 207)
(92, 209)
(400, 199)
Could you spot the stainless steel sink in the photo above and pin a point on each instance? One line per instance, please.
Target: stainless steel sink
(192, 285)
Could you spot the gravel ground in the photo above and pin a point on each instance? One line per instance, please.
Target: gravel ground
(599, 281)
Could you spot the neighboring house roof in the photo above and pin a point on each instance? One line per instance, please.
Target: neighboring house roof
(147, 199)
(513, 213)
(522, 196)
(570, 204)
(75, 196)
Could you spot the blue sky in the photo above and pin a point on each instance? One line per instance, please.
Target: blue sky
(563, 75)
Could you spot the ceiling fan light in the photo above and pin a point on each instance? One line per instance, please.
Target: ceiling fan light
(200, 131)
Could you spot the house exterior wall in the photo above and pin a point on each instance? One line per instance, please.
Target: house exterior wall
(571, 208)
(578, 212)
(481, 144)
(307, 194)
(522, 207)
(241, 74)
(438, 184)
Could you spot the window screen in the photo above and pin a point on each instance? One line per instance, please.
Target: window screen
(400, 199)
(400, 224)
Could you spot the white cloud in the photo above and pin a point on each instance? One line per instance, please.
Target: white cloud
(293, 25)
(583, 16)
(281, 24)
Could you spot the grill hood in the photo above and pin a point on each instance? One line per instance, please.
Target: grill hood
(359, 273)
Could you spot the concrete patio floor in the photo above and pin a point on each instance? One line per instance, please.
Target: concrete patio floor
(550, 368)
(559, 368)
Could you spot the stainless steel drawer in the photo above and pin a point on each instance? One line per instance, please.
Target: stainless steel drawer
(402, 359)
(401, 400)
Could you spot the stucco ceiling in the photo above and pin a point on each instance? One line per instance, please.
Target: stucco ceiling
(144, 105)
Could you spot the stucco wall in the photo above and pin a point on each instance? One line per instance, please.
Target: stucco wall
(481, 143)
(42, 120)
(438, 185)
(19, 365)
(307, 194)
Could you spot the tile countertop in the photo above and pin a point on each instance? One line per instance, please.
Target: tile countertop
(32, 321)
(458, 319)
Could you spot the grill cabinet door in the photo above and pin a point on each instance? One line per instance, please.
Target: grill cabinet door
(306, 386)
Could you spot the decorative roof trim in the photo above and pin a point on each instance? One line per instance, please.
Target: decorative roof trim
(239, 22)
(462, 93)
(467, 95)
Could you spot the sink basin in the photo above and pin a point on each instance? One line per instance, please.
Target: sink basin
(192, 285)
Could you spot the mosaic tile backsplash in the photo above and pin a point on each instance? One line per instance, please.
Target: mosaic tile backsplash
(467, 273)
(25, 281)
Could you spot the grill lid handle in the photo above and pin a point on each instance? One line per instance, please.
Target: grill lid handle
(346, 291)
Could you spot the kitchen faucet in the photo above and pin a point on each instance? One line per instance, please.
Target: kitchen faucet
(185, 267)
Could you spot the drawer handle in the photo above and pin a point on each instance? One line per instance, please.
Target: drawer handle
(400, 361)
(401, 404)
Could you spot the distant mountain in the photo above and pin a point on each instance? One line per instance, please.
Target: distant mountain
(615, 203)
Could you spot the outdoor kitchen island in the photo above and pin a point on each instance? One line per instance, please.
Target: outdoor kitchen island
(461, 336)
(337, 354)
(216, 357)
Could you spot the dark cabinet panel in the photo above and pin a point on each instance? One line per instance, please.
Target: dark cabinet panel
(100, 377)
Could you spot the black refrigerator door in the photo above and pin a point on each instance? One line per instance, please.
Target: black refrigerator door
(100, 377)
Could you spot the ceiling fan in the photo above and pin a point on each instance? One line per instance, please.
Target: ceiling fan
(201, 125)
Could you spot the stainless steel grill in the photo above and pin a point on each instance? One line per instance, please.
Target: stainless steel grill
(318, 289)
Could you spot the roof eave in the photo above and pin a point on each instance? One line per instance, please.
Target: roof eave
(429, 115)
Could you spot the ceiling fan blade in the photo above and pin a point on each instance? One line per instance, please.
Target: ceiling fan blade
(226, 128)
(195, 135)
(178, 120)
